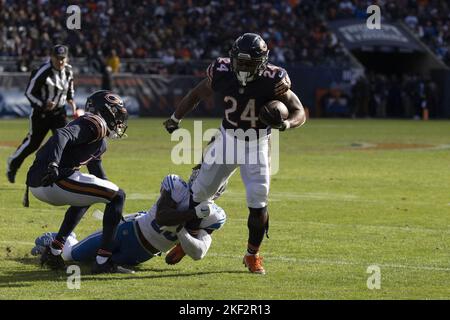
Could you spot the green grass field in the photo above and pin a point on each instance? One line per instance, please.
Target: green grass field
(349, 194)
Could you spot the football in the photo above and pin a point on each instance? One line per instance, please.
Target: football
(266, 115)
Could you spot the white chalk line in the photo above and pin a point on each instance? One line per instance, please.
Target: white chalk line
(282, 196)
(336, 262)
(299, 261)
(360, 226)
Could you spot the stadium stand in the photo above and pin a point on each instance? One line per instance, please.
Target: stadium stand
(176, 37)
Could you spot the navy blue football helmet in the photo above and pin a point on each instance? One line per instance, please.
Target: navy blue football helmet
(249, 57)
(111, 108)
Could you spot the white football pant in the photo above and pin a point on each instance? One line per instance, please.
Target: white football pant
(79, 189)
(221, 159)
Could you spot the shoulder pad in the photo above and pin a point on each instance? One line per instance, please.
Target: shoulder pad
(97, 124)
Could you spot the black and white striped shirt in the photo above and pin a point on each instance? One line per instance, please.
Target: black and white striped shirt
(49, 84)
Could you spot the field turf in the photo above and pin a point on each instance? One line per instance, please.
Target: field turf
(349, 194)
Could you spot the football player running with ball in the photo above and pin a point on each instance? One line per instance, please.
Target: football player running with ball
(55, 176)
(244, 84)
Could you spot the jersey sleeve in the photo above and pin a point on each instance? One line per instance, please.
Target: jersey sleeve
(176, 186)
(282, 82)
(195, 247)
(216, 70)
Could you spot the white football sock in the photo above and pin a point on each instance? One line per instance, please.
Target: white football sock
(101, 260)
(55, 252)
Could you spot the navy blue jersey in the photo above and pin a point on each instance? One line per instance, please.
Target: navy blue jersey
(79, 143)
(241, 105)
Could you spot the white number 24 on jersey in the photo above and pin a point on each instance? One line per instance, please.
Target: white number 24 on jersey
(248, 114)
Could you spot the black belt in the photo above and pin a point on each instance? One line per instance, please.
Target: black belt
(147, 245)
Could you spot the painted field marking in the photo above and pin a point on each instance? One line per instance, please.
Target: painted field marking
(335, 262)
(361, 226)
(296, 260)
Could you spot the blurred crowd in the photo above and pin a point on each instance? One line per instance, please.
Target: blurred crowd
(382, 96)
(428, 19)
(188, 30)
(168, 30)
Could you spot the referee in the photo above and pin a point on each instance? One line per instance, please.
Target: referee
(49, 88)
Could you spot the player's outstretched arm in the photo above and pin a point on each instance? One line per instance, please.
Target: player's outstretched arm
(188, 103)
(297, 116)
(195, 247)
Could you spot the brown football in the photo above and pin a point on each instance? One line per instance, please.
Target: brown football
(275, 104)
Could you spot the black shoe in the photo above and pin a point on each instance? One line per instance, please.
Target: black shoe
(11, 174)
(48, 259)
(109, 267)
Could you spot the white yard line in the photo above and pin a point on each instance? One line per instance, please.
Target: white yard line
(12, 243)
(336, 262)
(280, 196)
(361, 226)
(300, 261)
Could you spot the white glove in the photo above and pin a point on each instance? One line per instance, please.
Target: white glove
(204, 209)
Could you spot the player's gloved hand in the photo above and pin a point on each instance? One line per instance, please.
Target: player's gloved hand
(271, 118)
(274, 120)
(51, 175)
(204, 209)
(172, 124)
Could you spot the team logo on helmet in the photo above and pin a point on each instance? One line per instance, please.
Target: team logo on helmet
(114, 98)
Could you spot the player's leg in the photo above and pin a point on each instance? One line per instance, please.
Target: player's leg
(85, 250)
(71, 219)
(37, 131)
(80, 191)
(111, 219)
(256, 178)
(214, 171)
(130, 251)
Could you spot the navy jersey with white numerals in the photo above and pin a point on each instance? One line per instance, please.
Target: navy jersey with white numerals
(241, 105)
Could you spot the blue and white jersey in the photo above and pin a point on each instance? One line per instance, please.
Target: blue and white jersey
(164, 240)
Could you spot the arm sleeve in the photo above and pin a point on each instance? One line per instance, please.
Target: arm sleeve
(70, 135)
(95, 167)
(70, 92)
(37, 80)
(283, 84)
(196, 248)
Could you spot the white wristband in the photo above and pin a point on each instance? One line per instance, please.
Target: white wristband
(175, 119)
(287, 124)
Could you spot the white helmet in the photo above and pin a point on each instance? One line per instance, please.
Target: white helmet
(215, 220)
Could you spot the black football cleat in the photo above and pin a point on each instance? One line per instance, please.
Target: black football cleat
(48, 259)
(109, 267)
(11, 175)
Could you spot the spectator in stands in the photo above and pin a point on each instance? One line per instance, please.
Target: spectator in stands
(113, 61)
